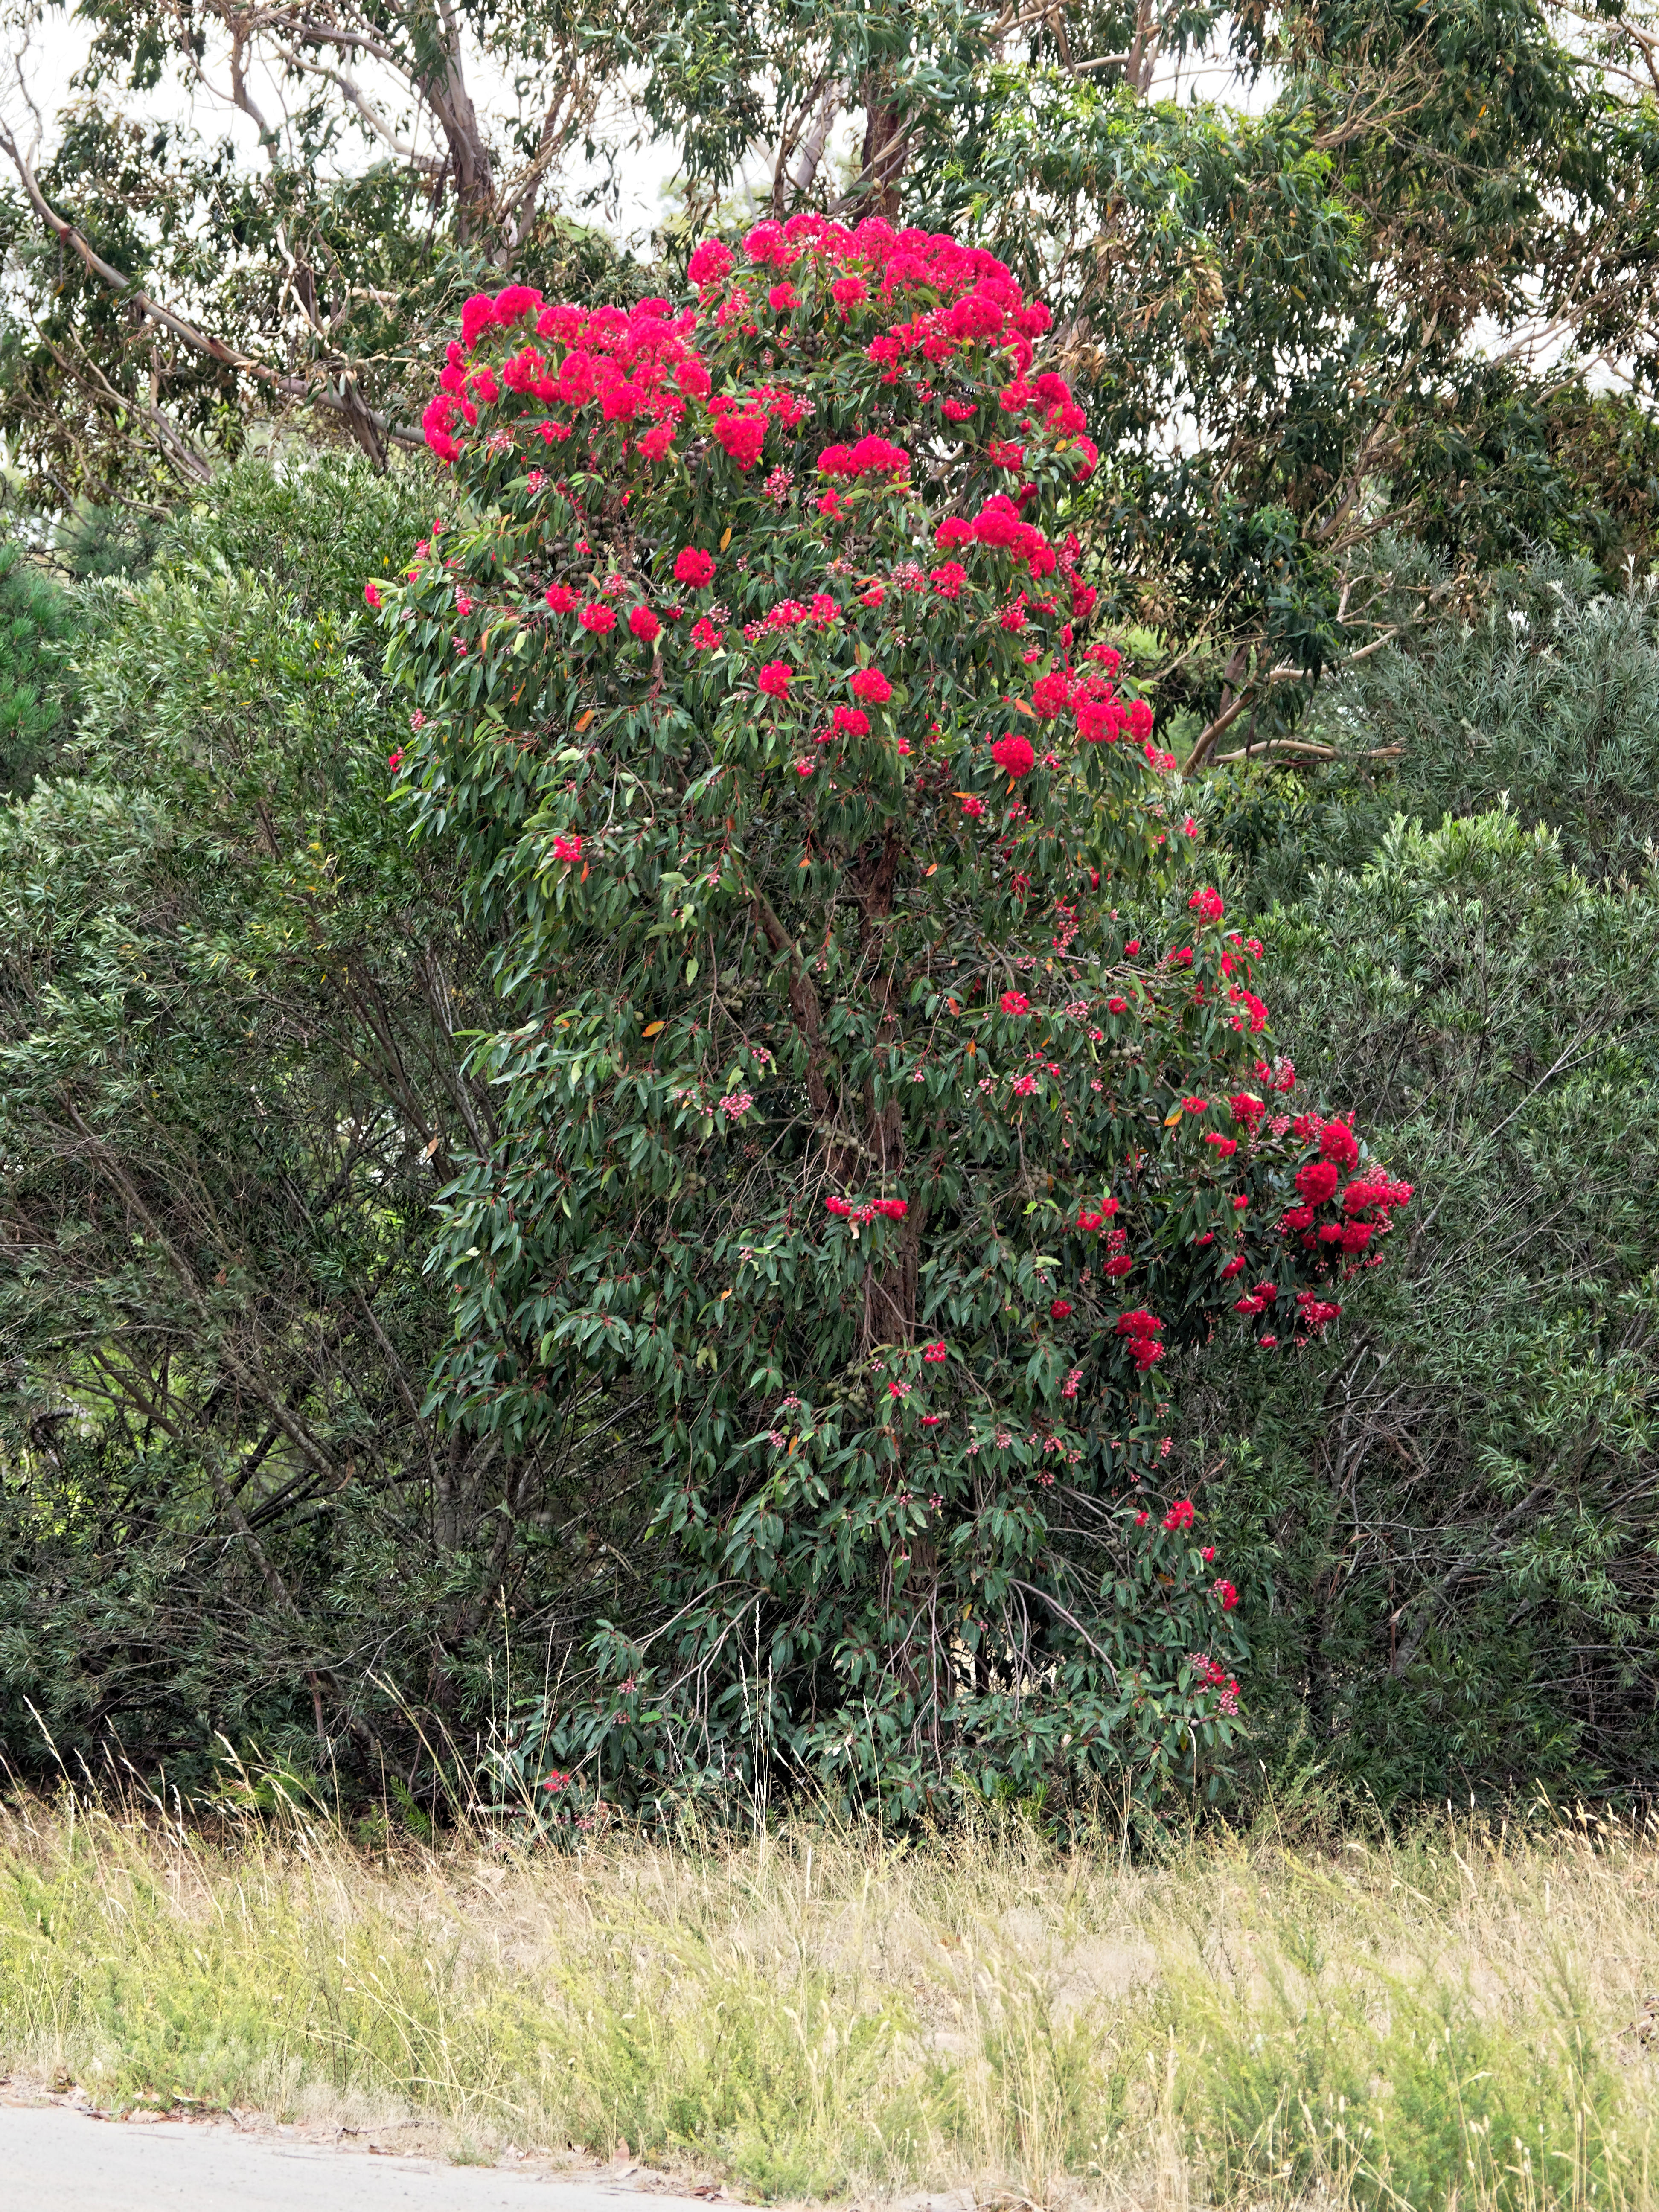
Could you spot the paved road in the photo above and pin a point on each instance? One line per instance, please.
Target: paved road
(54, 2159)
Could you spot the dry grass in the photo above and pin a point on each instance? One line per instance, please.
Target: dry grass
(1454, 2019)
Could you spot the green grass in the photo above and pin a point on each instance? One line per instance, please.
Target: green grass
(1442, 2022)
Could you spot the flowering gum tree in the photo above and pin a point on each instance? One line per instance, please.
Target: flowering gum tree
(847, 1129)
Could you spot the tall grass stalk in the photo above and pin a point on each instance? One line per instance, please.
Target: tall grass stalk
(1455, 2018)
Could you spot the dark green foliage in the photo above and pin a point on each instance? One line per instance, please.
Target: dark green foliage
(1451, 1506)
(37, 621)
(95, 543)
(229, 1088)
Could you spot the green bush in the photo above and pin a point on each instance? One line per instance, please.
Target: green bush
(1450, 1505)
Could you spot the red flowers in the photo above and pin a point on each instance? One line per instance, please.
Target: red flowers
(1014, 1002)
(934, 1353)
(644, 624)
(566, 847)
(743, 436)
(1224, 1590)
(1337, 1142)
(371, 594)
(870, 684)
(1180, 1516)
(1247, 1107)
(710, 264)
(893, 1209)
(1225, 1146)
(1318, 1181)
(598, 618)
(1060, 1310)
(1207, 902)
(1050, 694)
(1014, 754)
(870, 456)
(1142, 1329)
(693, 566)
(853, 720)
(774, 679)
(562, 599)
(704, 635)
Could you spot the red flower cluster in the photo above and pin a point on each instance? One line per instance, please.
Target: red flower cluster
(1014, 1002)
(1014, 754)
(1207, 902)
(870, 456)
(1143, 1330)
(1213, 1677)
(774, 679)
(693, 566)
(934, 1353)
(1180, 1516)
(1061, 1309)
(870, 684)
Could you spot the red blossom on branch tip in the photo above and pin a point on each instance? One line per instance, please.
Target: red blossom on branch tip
(894, 1209)
(1224, 1590)
(870, 684)
(562, 599)
(934, 1353)
(1180, 1516)
(774, 679)
(566, 847)
(1060, 1310)
(1014, 1002)
(1014, 754)
(371, 594)
(693, 566)
(711, 264)
(644, 624)
(395, 760)
(1207, 902)
(598, 618)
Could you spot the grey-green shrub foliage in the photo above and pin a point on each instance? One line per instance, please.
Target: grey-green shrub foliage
(1532, 689)
(1443, 1518)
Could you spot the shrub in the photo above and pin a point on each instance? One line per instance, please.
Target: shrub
(849, 1131)
(1455, 1506)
